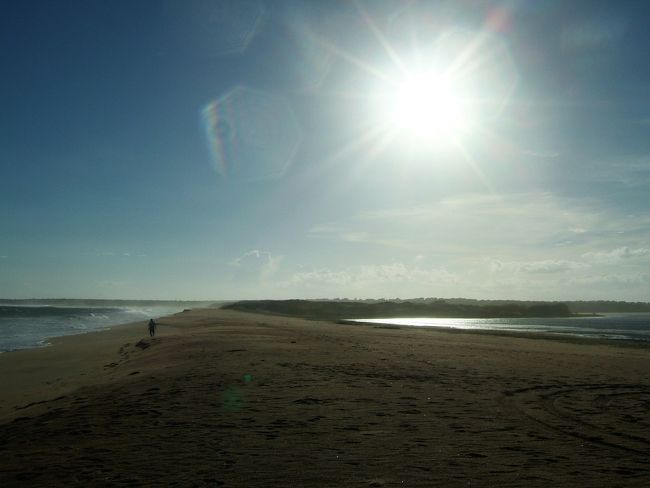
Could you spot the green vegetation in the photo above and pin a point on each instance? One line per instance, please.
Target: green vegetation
(337, 310)
(580, 306)
(372, 308)
(74, 302)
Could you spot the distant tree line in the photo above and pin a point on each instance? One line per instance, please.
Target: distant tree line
(444, 307)
(580, 306)
(603, 306)
(337, 310)
(575, 306)
(100, 303)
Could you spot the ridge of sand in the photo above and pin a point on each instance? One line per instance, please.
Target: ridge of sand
(221, 398)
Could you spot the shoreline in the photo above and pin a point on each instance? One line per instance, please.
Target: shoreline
(570, 337)
(223, 398)
(108, 318)
(551, 336)
(532, 335)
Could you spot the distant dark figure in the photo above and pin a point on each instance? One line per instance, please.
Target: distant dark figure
(152, 327)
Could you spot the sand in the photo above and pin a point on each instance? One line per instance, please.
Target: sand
(223, 398)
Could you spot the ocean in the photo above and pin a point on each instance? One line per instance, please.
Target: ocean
(24, 327)
(619, 326)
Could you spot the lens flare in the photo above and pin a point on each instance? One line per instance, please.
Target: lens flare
(252, 135)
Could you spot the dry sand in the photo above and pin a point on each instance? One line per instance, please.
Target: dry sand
(223, 398)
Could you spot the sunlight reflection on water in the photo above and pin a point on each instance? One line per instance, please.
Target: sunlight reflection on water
(611, 326)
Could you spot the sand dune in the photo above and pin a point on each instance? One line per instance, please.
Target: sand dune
(223, 398)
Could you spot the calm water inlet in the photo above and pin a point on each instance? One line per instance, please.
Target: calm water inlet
(632, 326)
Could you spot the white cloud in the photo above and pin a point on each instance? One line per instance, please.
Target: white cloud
(245, 257)
(322, 276)
(619, 279)
(544, 266)
(615, 255)
(262, 264)
(393, 279)
(524, 245)
(544, 279)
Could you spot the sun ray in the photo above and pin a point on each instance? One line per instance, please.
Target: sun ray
(392, 54)
(354, 59)
(469, 53)
(469, 159)
(357, 142)
(429, 104)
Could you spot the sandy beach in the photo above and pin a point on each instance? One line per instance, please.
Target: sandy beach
(222, 398)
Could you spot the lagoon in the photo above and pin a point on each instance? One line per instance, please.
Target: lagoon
(619, 326)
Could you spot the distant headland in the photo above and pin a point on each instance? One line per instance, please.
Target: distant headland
(344, 308)
(347, 309)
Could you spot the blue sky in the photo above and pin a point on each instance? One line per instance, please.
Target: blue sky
(221, 149)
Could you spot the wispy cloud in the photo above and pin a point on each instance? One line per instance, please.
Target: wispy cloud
(522, 221)
(113, 253)
(544, 266)
(517, 205)
(245, 257)
(371, 279)
(632, 171)
(551, 279)
(111, 283)
(542, 155)
(616, 255)
(593, 33)
(317, 277)
(341, 233)
(609, 279)
(325, 229)
(517, 245)
(483, 224)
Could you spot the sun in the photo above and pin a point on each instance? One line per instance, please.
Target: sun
(431, 100)
(427, 106)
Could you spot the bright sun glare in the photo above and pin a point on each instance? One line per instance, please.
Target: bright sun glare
(427, 106)
(436, 99)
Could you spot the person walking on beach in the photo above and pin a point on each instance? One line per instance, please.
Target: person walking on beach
(152, 327)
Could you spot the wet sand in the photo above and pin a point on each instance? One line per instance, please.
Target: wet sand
(223, 398)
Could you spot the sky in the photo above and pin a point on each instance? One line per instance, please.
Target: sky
(283, 149)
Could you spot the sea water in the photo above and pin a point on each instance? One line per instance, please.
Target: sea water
(629, 326)
(24, 327)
